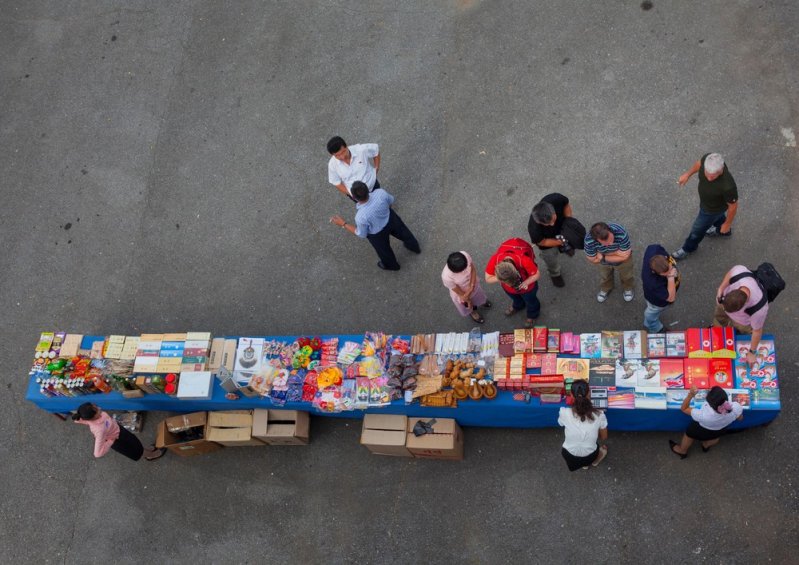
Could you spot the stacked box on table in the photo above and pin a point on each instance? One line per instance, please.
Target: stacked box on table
(384, 434)
(168, 435)
(281, 427)
(446, 441)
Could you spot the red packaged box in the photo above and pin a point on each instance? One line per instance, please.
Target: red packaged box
(697, 343)
(540, 334)
(533, 360)
(549, 364)
(697, 373)
(546, 384)
(722, 342)
(720, 373)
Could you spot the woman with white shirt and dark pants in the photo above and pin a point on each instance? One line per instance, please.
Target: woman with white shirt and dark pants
(584, 426)
(709, 422)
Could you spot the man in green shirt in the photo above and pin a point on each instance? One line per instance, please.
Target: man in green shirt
(718, 202)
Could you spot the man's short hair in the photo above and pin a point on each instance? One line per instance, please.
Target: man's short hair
(600, 231)
(660, 264)
(360, 191)
(457, 262)
(543, 212)
(335, 144)
(714, 163)
(734, 300)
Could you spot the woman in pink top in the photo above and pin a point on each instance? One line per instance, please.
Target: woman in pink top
(108, 434)
(460, 277)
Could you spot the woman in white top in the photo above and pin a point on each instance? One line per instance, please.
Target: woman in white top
(584, 426)
(709, 422)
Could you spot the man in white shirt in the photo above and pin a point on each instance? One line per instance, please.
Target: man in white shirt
(355, 163)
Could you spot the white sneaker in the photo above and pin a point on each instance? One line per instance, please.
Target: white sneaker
(602, 296)
(629, 295)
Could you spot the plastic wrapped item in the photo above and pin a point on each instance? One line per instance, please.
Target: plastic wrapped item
(370, 367)
(362, 391)
(379, 393)
(309, 387)
(328, 399)
(131, 421)
(296, 382)
(348, 394)
(349, 353)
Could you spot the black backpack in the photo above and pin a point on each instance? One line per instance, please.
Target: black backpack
(769, 281)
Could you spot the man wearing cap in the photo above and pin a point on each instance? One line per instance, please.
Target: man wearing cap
(718, 202)
(513, 266)
(354, 163)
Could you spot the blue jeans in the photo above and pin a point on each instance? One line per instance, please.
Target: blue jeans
(652, 321)
(702, 223)
(527, 300)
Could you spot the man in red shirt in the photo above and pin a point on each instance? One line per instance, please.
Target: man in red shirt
(513, 266)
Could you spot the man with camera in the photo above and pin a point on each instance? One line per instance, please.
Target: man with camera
(553, 229)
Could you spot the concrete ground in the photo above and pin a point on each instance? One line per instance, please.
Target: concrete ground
(164, 169)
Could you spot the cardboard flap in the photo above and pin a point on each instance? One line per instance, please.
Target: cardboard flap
(385, 422)
(393, 438)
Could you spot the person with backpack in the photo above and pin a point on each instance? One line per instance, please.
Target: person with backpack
(513, 266)
(554, 230)
(742, 301)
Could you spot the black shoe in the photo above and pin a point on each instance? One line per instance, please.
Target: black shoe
(558, 281)
(487, 304)
(418, 250)
(382, 266)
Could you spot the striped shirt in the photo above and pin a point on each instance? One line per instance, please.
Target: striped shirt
(621, 242)
(372, 215)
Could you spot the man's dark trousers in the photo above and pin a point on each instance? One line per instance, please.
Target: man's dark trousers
(382, 244)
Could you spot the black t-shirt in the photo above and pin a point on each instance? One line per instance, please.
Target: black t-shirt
(715, 195)
(537, 231)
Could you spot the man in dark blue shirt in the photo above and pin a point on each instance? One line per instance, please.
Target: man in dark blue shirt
(661, 281)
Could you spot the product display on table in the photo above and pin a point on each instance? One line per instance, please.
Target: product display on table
(337, 375)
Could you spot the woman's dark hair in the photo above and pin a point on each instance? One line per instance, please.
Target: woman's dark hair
(716, 397)
(334, 144)
(582, 404)
(86, 411)
(457, 262)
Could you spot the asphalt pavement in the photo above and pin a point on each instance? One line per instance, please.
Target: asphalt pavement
(164, 169)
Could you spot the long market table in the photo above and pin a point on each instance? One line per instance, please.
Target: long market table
(501, 412)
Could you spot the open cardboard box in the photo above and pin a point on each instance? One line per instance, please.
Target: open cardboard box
(281, 427)
(384, 434)
(167, 435)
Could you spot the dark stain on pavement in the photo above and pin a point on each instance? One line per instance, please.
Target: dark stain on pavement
(646, 5)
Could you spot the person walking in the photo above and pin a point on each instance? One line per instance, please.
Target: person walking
(660, 279)
(376, 221)
(608, 245)
(584, 427)
(108, 434)
(460, 277)
(709, 422)
(718, 202)
(513, 266)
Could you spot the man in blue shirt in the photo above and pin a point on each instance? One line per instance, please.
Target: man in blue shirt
(661, 281)
(376, 221)
(608, 245)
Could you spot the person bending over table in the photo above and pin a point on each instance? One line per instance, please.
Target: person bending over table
(584, 426)
(709, 422)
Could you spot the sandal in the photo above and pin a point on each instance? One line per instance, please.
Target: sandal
(510, 310)
(487, 304)
(672, 445)
(475, 315)
(158, 456)
(603, 452)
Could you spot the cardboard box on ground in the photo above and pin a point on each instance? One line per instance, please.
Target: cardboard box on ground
(281, 427)
(384, 434)
(232, 428)
(168, 436)
(446, 441)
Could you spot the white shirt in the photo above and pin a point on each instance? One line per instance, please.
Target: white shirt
(360, 167)
(712, 420)
(581, 437)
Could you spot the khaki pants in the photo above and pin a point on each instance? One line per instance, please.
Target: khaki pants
(551, 257)
(626, 276)
(720, 318)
